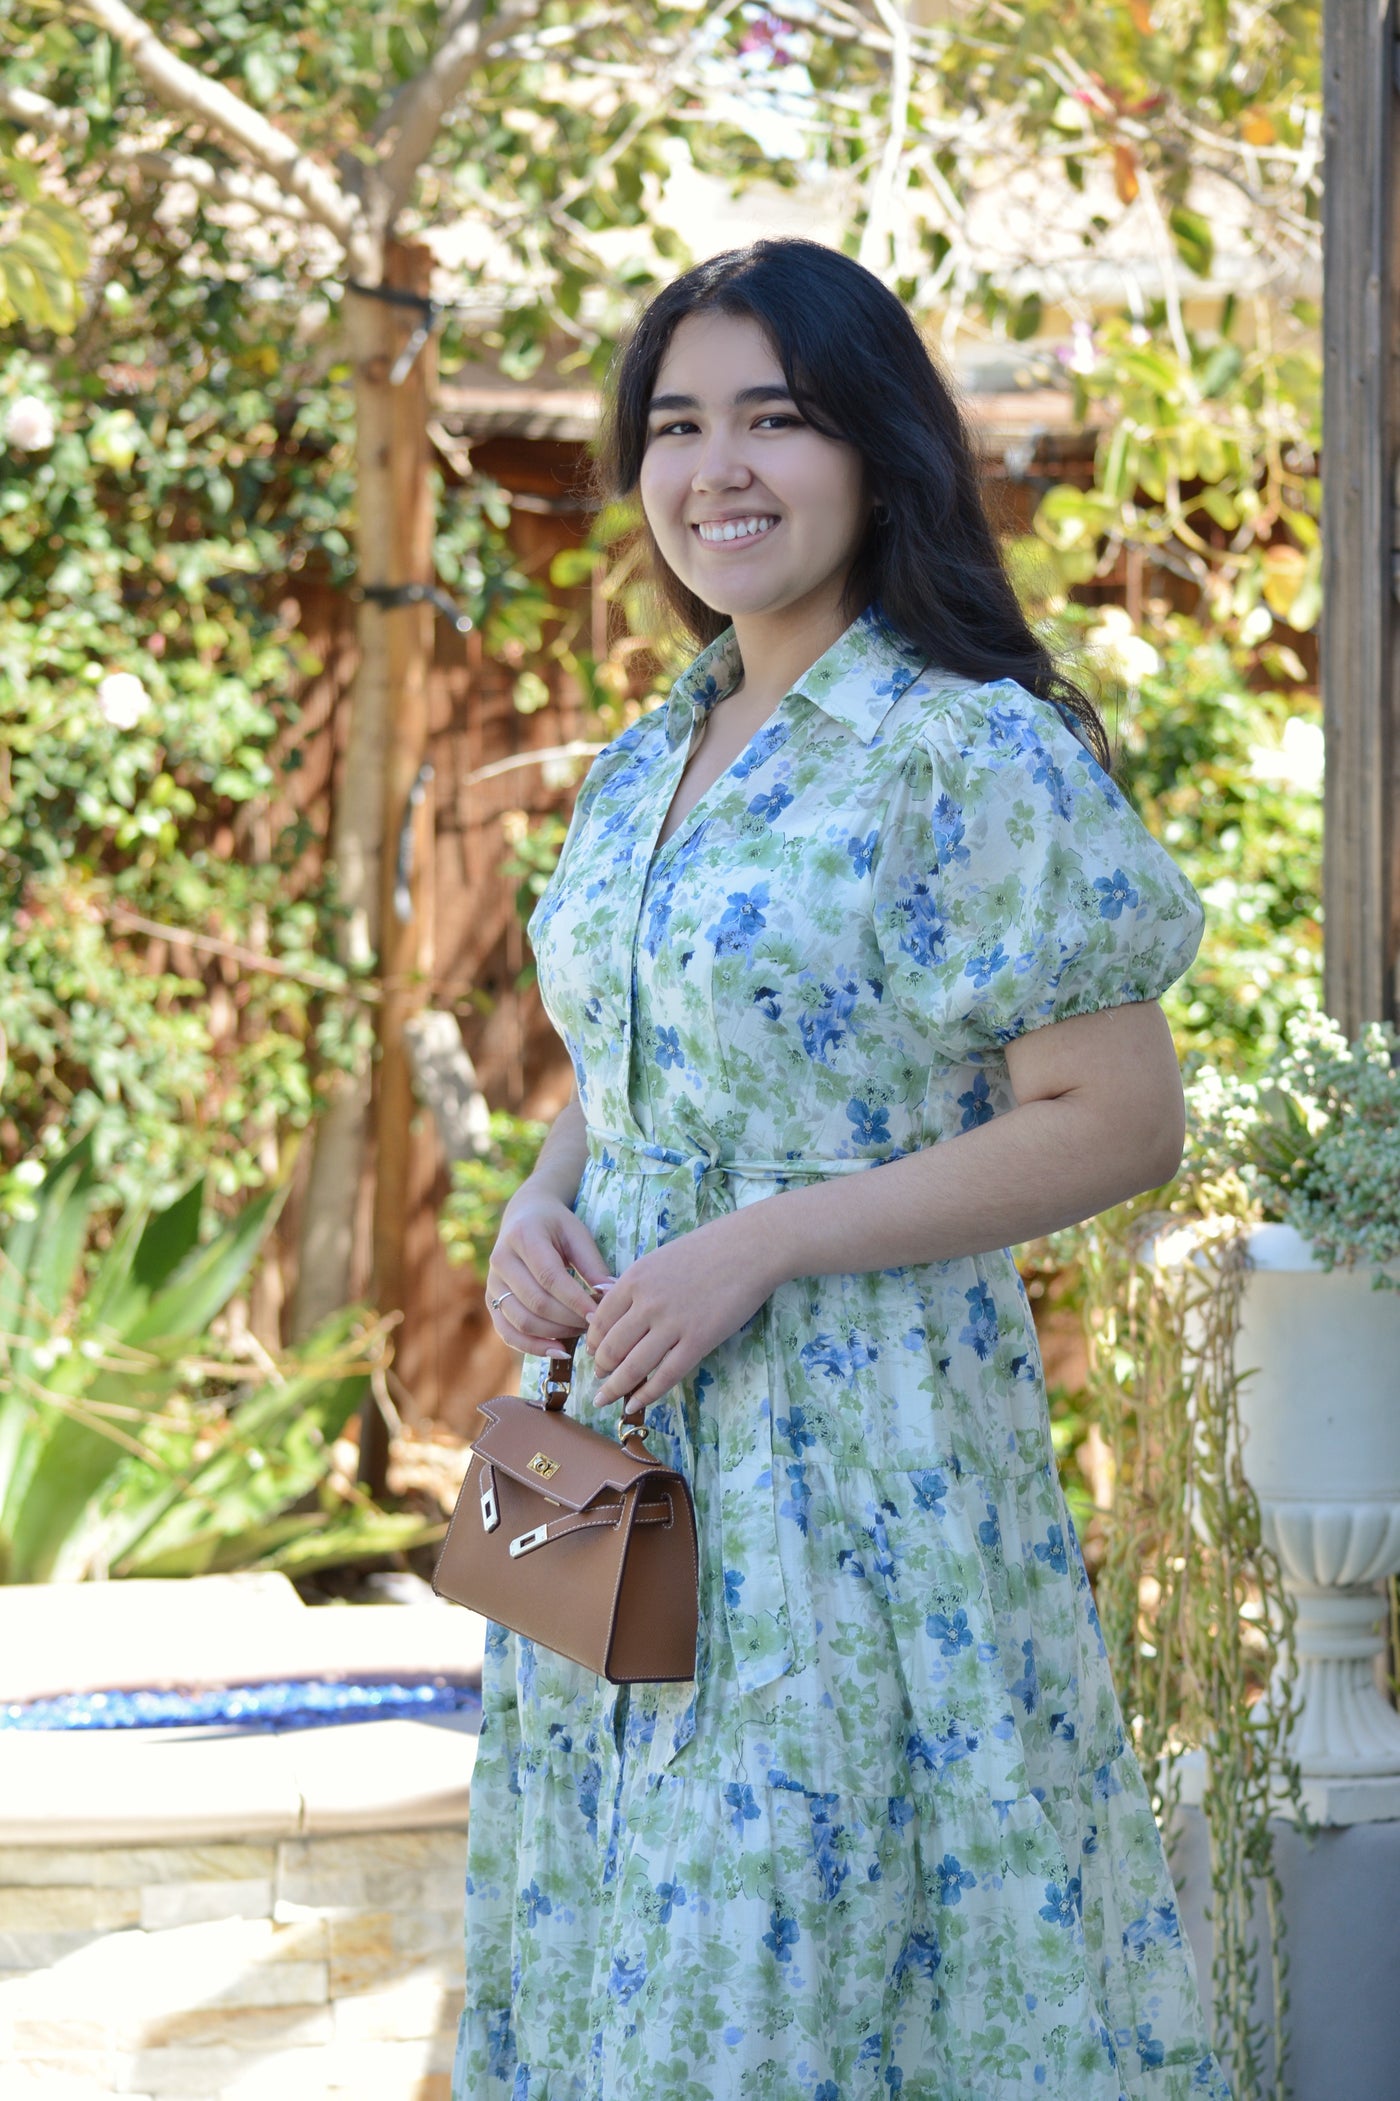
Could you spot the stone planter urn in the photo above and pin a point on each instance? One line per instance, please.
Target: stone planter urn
(1320, 1416)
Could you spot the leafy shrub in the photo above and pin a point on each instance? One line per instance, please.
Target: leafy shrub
(134, 1440)
(141, 706)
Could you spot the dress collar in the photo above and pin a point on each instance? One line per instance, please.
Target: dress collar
(856, 683)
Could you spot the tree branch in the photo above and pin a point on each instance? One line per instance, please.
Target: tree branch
(880, 233)
(415, 116)
(241, 127)
(225, 185)
(1166, 263)
(661, 91)
(37, 114)
(252, 959)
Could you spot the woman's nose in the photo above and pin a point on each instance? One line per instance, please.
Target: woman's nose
(720, 466)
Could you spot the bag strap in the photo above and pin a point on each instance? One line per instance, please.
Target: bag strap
(659, 1512)
(555, 1381)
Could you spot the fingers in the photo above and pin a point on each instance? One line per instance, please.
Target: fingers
(531, 1338)
(520, 1312)
(646, 1371)
(663, 1376)
(544, 1288)
(580, 1249)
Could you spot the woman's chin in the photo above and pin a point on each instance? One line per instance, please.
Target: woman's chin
(739, 604)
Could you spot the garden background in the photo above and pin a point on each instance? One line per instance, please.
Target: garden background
(223, 895)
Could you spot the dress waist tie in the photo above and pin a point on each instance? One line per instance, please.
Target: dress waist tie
(756, 1609)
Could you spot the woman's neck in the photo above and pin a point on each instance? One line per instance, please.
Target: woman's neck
(777, 648)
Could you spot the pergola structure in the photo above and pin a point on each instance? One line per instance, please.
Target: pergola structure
(1360, 635)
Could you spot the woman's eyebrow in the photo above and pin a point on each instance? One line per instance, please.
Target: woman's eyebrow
(745, 398)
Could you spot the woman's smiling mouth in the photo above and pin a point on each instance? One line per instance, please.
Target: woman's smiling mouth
(720, 530)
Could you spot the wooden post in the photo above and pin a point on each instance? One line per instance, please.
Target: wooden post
(1360, 645)
(327, 1264)
(406, 859)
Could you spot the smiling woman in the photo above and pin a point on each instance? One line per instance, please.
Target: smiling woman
(755, 511)
(856, 949)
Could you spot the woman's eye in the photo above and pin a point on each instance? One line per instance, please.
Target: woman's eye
(778, 421)
(669, 430)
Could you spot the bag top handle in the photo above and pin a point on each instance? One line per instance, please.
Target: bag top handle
(556, 1376)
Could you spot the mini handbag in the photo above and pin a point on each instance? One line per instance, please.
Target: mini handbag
(579, 1541)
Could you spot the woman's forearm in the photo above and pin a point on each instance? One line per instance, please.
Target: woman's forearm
(559, 1168)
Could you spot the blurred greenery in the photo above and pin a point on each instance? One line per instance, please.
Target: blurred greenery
(144, 714)
(135, 1439)
(470, 1220)
(1223, 762)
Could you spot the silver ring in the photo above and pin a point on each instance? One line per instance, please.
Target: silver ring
(501, 1300)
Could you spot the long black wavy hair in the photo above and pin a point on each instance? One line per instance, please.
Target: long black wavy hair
(858, 370)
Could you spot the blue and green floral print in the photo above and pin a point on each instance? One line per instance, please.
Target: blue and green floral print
(893, 1841)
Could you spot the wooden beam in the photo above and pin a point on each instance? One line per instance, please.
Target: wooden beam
(406, 859)
(1360, 656)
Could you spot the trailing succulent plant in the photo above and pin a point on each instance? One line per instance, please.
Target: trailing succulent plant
(1314, 1142)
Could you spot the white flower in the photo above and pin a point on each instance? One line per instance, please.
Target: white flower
(1296, 761)
(1176, 1247)
(29, 424)
(122, 699)
(1129, 657)
(1083, 357)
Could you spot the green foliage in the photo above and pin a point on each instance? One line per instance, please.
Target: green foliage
(470, 1222)
(141, 706)
(133, 1440)
(43, 252)
(1212, 459)
(1220, 751)
(534, 851)
(253, 1485)
(185, 438)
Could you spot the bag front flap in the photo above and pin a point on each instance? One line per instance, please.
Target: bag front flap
(549, 1451)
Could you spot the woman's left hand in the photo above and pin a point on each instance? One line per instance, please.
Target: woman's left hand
(671, 1307)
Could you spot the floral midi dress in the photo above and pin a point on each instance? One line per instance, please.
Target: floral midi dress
(892, 1841)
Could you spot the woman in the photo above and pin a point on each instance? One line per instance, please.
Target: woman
(856, 950)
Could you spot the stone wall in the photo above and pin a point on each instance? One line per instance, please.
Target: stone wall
(299, 1968)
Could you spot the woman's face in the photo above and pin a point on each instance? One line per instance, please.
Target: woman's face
(756, 512)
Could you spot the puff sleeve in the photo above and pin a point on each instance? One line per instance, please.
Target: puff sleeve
(1013, 883)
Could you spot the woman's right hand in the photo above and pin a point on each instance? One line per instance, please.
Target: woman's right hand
(541, 1242)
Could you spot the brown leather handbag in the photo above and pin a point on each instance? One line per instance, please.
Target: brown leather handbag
(580, 1542)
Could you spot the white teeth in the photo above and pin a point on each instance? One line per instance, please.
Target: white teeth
(736, 529)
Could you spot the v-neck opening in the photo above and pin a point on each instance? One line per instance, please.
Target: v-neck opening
(662, 849)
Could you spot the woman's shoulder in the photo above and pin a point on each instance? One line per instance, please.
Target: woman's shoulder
(955, 724)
